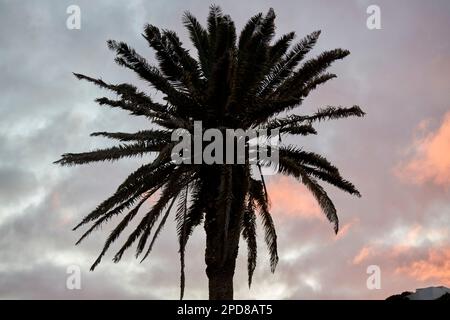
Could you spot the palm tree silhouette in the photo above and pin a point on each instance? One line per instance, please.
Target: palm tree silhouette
(250, 82)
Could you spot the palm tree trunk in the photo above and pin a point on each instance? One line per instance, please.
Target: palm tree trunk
(223, 231)
(220, 284)
(220, 258)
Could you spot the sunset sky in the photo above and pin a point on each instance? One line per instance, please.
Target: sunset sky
(398, 155)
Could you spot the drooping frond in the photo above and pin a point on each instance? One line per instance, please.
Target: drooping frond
(249, 235)
(116, 211)
(159, 229)
(147, 176)
(119, 229)
(314, 165)
(195, 213)
(333, 179)
(152, 216)
(263, 182)
(309, 158)
(257, 195)
(170, 190)
(181, 218)
(290, 168)
(322, 198)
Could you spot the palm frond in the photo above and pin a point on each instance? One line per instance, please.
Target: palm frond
(191, 75)
(285, 67)
(328, 113)
(159, 229)
(266, 30)
(309, 158)
(252, 58)
(199, 37)
(131, 98)
(215, 14)
(134, 109)
(170, 190)
(280, 47)
(225, 38)
(289, 167)
(249, 235)
(148, 175)
(181, 218)
(310, 69)
(116, 211)
(168, 62)
(110, 154)
(316, 81)
(129, 58)
(333, 179)
(174, 61)
(249, 30)
(155, 136)
(304, 130)
(257, 195)
(119, 229)
(195, 213)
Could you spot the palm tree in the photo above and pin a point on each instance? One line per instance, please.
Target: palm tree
(250, 82)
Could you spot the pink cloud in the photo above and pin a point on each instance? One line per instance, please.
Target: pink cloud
(363, 254)
(289, 197)
(430, 161)
(436, 267)
(344, 229)
(408, 243)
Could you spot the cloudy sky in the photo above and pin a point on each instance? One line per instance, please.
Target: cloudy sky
(398, 155)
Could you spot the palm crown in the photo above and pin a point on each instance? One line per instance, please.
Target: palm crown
(250, 82)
